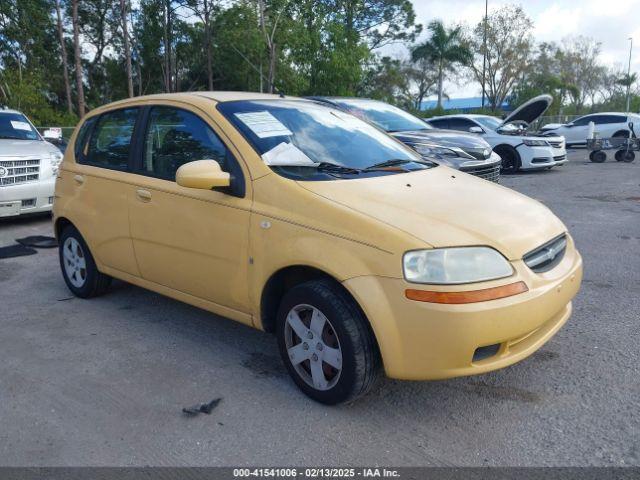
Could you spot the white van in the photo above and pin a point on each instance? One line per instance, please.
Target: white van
(28, 166)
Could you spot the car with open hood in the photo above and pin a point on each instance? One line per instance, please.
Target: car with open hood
(463, 151)
(299, 219)
(606, 125)
(28, 166)
(509, 138)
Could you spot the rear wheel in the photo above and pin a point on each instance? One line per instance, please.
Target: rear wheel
(598, 156)
(510, 158)
(78, 266)
(326, 343)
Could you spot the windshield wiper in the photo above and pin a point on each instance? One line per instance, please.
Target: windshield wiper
(396, 162)
(335, 168)
(389, 163)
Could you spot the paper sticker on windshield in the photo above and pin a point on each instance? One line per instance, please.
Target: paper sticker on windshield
(287, 155)
(263, 124)
(20, 126)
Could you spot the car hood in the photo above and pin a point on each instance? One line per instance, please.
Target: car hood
(445, 208)
(530, 111)
(552, 126)
(444, 138)
(24, 148)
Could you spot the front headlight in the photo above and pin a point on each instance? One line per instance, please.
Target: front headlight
(451, 266)
(55, 158)
(535, 143)
(424, 149)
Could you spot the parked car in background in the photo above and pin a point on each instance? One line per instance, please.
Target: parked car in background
(462, 151)
(607, 125)
(28, 166)
(296, 218)
(519, 149)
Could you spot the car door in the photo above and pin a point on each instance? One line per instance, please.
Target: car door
(189, 240)
(579, 131)
(98, 189)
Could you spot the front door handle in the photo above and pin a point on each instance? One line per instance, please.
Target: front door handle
(79, 179)
(143, 195)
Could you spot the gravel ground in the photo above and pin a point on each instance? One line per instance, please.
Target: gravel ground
(103, 382)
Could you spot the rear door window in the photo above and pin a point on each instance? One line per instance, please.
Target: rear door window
(460, 124)
(441, 123)
(110, 143)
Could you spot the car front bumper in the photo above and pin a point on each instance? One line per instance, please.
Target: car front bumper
(533, 158)
(429, 341)
(33, 197)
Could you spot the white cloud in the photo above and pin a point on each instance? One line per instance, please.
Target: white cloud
(611, 23)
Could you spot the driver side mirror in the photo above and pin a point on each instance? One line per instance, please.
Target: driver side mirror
(476, 130)
(202, 174)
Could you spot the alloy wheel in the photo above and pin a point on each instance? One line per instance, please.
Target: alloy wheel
(313, 347)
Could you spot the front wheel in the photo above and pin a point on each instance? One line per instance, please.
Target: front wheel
(510, 159)
(78, 266)
(326, 343)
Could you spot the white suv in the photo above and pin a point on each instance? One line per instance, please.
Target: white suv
(28, 166)
(607, 125)
(509, 138)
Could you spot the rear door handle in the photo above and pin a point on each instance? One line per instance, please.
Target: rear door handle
(79, 179)
(143, 195)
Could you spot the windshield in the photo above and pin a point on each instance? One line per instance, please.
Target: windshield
(385, 116)
(300, 138)
(491, 123)
(15, 126)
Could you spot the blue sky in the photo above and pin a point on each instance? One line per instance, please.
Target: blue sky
(610, 22)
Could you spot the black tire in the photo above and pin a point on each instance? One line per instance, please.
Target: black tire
(618, 155)
(88, 283)
(628, 157)
(598, 156)
(511, 162)
(360, 357)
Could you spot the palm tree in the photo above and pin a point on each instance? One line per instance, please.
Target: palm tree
(445, 48)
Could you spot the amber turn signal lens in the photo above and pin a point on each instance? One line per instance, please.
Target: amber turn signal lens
(473, 296)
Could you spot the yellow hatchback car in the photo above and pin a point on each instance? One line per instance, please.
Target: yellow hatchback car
(302, 220)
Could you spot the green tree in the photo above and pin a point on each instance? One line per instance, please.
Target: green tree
(446, 48)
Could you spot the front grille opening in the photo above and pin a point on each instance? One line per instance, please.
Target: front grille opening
(31, 202)
(541, 160)
(560, 158)
(491, 173)
(482, 353)
(548, 256)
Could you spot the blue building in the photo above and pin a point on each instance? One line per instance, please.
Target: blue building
(463, 105)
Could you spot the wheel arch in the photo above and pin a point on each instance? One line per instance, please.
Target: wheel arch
(283, 280)
(510, 148)
(622, 133)
(60, 224)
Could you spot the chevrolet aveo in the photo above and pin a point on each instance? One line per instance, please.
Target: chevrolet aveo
(302, 220)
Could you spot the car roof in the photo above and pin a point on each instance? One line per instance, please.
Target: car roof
(461, 115)
(8, 110)
(218, 97)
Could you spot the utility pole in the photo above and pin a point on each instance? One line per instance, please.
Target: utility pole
(484, 60)
(629, 75)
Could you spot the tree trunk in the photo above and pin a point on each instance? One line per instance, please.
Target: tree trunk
(127, 47)
(65, 68)
(207, 29)
(272, 66)
(167, 46)
(78, 58)
(440, 75)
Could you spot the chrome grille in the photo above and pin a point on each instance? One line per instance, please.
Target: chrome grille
(488, 172)
(547, 256)
(17, 171)
(478, 153)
